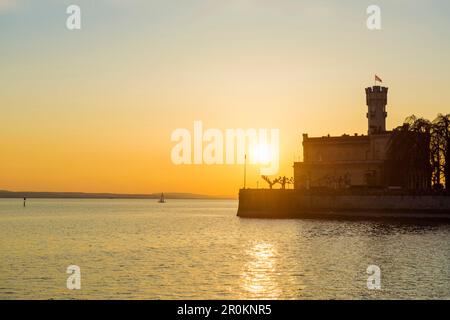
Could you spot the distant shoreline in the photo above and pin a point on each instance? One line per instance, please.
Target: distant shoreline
(85, 195)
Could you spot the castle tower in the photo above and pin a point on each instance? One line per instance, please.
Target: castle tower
(376, 97)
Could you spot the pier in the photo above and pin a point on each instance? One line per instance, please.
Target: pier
(295, 204)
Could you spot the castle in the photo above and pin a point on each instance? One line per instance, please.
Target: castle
(350, 161)
(356, 177)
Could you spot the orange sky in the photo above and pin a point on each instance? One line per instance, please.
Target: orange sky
(93, 110)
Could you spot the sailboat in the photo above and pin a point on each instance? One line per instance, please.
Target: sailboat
(162, 200)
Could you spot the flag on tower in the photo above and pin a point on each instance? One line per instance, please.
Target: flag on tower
(377, 78)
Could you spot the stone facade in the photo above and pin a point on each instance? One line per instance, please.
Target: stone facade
(342, 161)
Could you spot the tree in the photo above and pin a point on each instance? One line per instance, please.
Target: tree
(283, 181)
(441, 149)
(291, 181)
(409, 156)
(270, 182)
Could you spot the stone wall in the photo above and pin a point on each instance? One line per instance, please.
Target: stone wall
(282, 203)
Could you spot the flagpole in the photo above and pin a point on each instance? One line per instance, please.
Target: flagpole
(245, 171)
(377, 79)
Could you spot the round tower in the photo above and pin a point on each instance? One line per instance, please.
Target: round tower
(376, 98)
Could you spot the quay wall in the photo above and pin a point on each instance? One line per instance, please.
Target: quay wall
(277, 203)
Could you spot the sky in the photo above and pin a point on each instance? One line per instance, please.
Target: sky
(93, 110)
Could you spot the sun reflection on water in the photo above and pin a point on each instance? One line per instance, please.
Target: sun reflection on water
(259, 274)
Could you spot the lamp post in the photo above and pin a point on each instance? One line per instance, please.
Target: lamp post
(245, 171)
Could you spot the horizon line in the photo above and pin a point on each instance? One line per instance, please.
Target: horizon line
(80, 194)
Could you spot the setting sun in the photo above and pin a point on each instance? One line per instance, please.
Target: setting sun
(261, 154)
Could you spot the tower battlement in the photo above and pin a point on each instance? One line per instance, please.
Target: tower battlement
(376, 94)
(377, 89)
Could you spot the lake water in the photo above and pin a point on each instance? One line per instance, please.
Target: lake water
(199, 249)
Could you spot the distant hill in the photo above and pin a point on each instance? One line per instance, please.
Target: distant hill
(84, 195)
